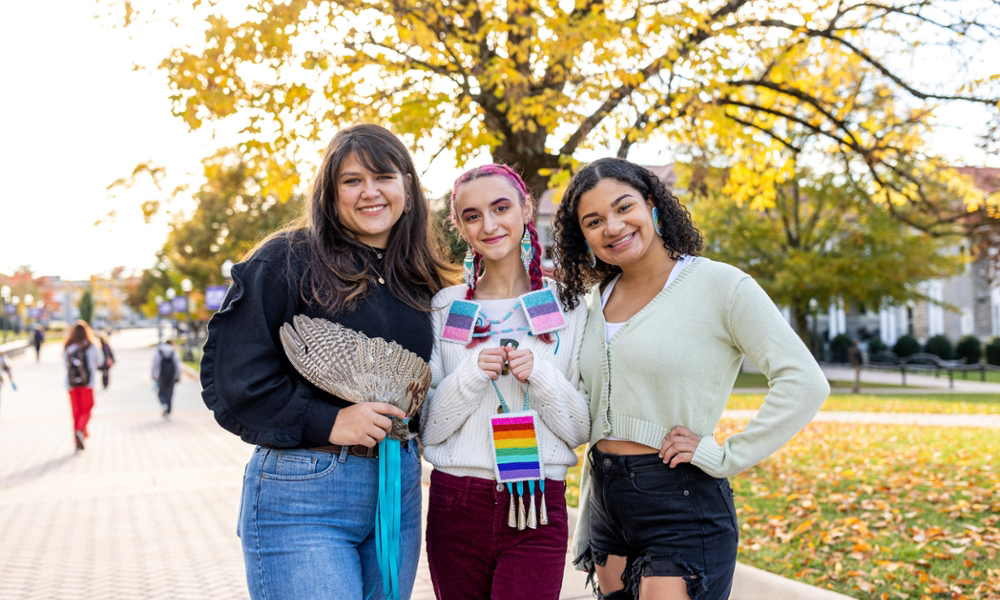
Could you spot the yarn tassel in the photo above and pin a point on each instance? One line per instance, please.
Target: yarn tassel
(543, 515)
(521, 517)
(511, 515)
(532, 517)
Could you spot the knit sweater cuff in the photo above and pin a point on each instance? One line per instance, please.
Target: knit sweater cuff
(471, 385)
(545, 382)
(709, 456)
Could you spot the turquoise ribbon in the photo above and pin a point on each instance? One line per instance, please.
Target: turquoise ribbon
(388, 536)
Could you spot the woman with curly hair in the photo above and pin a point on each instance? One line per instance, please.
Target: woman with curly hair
(665, 338)
(506, 407)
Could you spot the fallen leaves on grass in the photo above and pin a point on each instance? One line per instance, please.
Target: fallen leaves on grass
(877, 511)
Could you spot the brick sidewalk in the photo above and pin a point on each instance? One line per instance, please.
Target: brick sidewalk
(148, 510)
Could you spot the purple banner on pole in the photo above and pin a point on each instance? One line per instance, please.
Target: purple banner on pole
(214, 295)
(34, 313)
(165, 308)
(11, 309)
(180, 304)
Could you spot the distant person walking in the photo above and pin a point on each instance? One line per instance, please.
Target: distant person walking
(80, 356)
(109, 360)
(37, 337)
(857, 360)
(5, 366)
(166, 372)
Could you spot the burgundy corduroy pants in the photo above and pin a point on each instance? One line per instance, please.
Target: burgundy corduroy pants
(473, 554)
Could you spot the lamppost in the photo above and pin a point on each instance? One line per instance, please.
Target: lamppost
(16, 301)
(28, 301)
(186, 288)
(159, 319)
(4, 299)
(171, 294)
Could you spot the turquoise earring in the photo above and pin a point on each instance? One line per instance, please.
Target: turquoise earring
(591, 259)
(469, 267)
(526, 251)
(657, 226)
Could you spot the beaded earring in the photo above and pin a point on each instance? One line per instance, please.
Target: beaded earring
(657, 226)
(469, 267)
(527, 253)
(591, 259)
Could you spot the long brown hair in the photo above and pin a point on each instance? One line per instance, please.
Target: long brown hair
(333, 277)
(81, 334)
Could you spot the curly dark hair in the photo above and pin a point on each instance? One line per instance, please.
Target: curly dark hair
(680, 236)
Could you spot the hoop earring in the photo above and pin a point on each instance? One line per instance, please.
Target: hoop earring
(657, 225)
(527, 253)
(591, 259)
(469, 267)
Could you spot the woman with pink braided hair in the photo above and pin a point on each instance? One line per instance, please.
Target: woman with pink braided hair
(506, 407)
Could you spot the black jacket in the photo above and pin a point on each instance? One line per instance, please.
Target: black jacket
(246, 379)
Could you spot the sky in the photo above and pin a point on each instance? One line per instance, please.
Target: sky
(75, 116)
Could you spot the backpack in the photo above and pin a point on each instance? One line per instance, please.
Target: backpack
(168, 371)
(79, 370)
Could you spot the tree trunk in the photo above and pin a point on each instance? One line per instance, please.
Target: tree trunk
(800, 320)
(528, 163)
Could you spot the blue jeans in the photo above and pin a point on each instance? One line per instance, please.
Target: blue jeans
(307, 523)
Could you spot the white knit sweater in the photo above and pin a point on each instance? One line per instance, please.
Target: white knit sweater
(455, 418)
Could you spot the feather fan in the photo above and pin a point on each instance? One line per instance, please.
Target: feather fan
(355, 367)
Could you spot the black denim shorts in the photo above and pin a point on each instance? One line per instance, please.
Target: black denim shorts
(670, 522)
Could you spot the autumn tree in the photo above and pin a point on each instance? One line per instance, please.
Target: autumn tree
(537, 82)
(819, 239)
(232, 213)
(86, 307)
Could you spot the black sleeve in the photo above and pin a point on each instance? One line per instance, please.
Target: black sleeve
(246, 379)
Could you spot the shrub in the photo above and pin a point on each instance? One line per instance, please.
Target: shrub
(940, 346)
(993, 351)
(906, 345)
(969, 348)
(876, 345)
(838, 347)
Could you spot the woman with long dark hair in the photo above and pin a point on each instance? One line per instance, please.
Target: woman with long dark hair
(360, 257)
(665, 339)
(496, 520)
(80, 356)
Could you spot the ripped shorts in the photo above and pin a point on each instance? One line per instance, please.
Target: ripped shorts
(671, 522)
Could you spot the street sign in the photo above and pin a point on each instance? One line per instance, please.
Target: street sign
(214, 295)
(165, 308)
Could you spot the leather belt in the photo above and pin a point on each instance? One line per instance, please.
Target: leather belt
(355, 450)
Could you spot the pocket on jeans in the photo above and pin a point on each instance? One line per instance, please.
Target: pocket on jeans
(298, 465)
(441, 501)
(729, 499)
(659, 482)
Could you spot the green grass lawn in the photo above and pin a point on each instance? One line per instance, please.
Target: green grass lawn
(918, 403)
(759, 381)
(873, 511)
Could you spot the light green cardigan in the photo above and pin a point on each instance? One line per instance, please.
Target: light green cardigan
(675, 361)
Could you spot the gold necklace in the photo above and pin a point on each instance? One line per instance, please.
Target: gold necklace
(372, 265)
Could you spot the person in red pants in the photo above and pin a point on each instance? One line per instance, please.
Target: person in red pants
(80, 356)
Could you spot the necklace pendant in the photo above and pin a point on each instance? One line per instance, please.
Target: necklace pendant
(382, 281)
(499, 410)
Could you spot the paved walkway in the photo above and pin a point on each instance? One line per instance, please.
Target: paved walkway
(148, 510)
